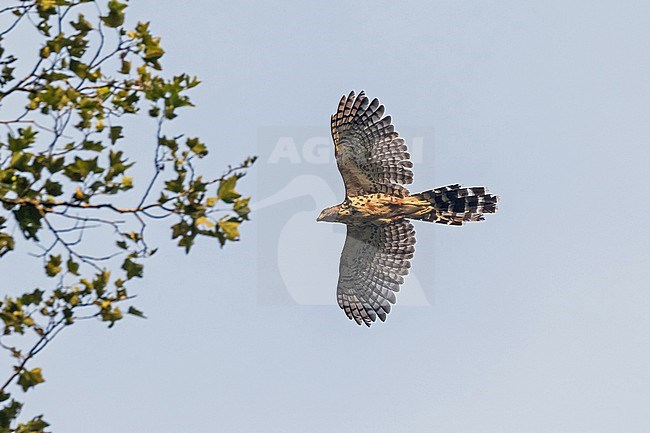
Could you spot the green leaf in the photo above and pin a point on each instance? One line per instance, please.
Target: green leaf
(7, 74)
(175, 185)
(134, 311)
(169, 143)
(132, 269)
(186, 242)
(53, 188)
(73, 267)
(29, 220)
(30, 378)
(211, 201)
(241, 207)
(152, 50)
(115, 17)
(197, 147)
(8, 414)
(6, 241)
(45, 52)
(115, 134)
(118, 165)
(81, 25)
(35, 425)
(6, 244)
(126, 67)
(54, 165)
(53, 266)
(81, 168)
(100, 282)
(95, 146)
(35, 298)
(109, 314)
(230, 229)
(180, 229)
(80, 69)
(25, 138)
(226, 191)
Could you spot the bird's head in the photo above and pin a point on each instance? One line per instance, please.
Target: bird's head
(329, 215)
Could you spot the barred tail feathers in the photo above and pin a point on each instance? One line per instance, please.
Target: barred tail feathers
(455, 205)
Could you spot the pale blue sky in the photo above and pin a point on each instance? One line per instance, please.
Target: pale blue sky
(535, 320)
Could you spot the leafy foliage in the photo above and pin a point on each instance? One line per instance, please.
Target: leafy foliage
(65, 171)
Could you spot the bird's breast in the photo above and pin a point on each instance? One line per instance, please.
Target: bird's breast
(374, 206)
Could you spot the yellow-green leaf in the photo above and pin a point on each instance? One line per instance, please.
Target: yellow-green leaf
(204, 221)
(230, 229)
(226, 191)
(30, 378)
(211, 201)
(241, 207)
(53, 266)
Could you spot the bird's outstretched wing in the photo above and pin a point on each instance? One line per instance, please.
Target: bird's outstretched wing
(374, 261)
(369, 153)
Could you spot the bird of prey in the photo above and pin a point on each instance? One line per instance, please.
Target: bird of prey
(374, 163)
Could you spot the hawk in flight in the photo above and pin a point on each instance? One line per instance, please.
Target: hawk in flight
(374, 163)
